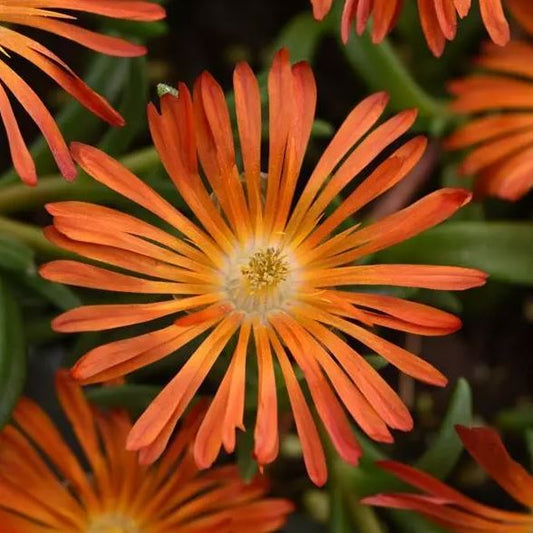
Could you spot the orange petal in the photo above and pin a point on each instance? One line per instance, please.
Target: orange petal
(313, 452)
(486, 447)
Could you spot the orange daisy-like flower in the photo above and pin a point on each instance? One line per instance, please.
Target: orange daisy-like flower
(45, 488)
(502, 141)
(437, 17)
(45, 15)
(259, 265)
(448, 507)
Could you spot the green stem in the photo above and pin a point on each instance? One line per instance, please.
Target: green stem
(32, 236)
(362, 516)
(20, 197)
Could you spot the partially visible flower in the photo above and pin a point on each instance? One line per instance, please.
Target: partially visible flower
(44, 487)
(501, 131)
(437, 17)
(259, 268)
(522, 11)
(448, 507)
(52, 16)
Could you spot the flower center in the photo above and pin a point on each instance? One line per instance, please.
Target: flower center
(260, 279)
(112, 523)
(265, 270)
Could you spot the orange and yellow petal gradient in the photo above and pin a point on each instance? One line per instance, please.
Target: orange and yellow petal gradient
(45, 487)
(449, 508)
(439, 18)
(259, 267)
(499, 129)
(53, 16)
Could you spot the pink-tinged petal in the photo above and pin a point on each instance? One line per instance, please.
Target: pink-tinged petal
(349, 13)
(431, 27)
(266, 445)
(100, 317)
(174, 398)
(495, 21)
(105, 44)
(248, 110)
(486, 447)
(421, 276)
(354, 127)
(436, 488)
(121, 9)
(22, 160)
(42, 117)
(321, 8)
(444, 515)
(446, 16)
(380, 395)
(313, 452)
(328, 407)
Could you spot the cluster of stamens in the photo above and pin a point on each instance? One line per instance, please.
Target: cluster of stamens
(265, 269)
(258, 279)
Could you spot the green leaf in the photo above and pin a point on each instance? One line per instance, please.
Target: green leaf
(301, 36)
(132, 107)
(12, 353)
(376, 361)
(133, 397)
(381, 69)
(339, 519)
(517, 419)
(322, 129)
(15, 255)
(410, 522)
(59, 295)
(245, 459)
(446, 449)
(502, 249)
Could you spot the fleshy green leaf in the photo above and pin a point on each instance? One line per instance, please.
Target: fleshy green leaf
(301, 36)
(132, 107)
(446, 449)
(516, 419)
(502, 249)
(245, 460)
(12, 353)
(133, 397)
(59, 295)
(15, 255)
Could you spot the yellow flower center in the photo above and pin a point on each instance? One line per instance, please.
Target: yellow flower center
(265, 270)
(259, 280)
(113, 523)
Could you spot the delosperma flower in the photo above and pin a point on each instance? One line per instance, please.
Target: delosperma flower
(438, 18)
(54, 16)
(500, 132)
(448, 507)
(259, 265)
(45, 487)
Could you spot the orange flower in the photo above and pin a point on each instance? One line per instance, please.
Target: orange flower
(44, 15)
(502, 141)
(522, 11)
(45, 488)
(256, 268)
(437, 17)
(449, 508)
